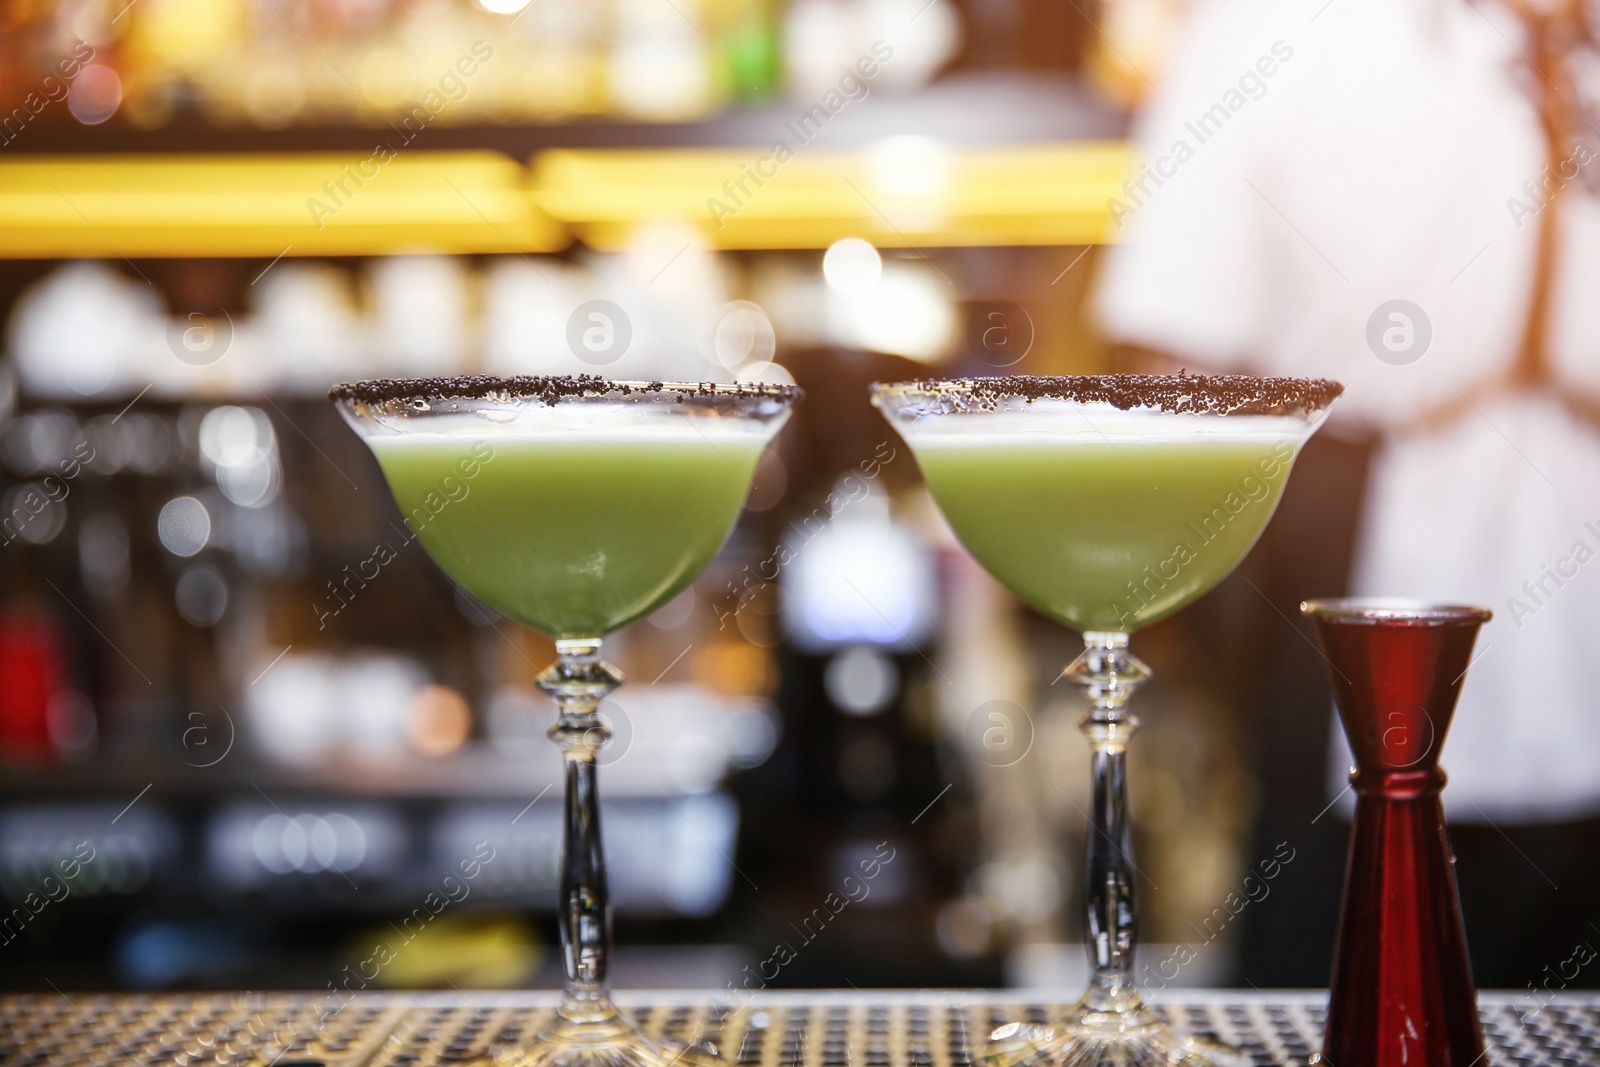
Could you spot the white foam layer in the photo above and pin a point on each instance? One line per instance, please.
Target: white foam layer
(1070, 421)
(588, 438)
(590, 423)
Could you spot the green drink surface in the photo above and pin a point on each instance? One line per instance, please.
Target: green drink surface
(574, 534)
(1106, 535)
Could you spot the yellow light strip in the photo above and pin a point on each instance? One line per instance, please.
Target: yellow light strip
(482, 202)
(260, 205)
(1053, 194)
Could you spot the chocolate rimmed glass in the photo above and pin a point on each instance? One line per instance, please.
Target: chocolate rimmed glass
(1107, 503)
(574, 506)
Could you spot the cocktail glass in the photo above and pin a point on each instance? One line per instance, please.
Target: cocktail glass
(1106, 502)
(574, 506)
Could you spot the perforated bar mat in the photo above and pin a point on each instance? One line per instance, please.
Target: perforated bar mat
(866, 1029)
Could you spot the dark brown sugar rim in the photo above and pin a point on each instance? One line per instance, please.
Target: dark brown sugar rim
(549, 390)
(1211, 394)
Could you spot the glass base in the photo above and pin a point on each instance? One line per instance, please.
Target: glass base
(595, 1034)
(1128, 1034)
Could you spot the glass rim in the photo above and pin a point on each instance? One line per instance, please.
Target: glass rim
(1393, 611)
(550, 390)
(1183, 393)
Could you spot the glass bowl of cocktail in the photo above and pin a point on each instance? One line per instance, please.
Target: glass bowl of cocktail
(574, 506)
(1107, 503)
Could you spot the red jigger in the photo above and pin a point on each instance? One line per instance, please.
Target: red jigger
(1402, 987)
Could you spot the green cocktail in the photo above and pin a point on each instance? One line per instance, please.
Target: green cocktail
(1103, 535)
(572, 505)
(574, 534)
(1107, 503)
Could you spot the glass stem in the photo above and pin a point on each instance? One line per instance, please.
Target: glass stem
(1108, 675)
(578, 681)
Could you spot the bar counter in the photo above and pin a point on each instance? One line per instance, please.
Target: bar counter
(851, 1028)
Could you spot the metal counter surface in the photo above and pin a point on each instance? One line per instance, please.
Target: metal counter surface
(853, 1028)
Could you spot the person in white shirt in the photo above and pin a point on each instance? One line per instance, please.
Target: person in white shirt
(1399, 194)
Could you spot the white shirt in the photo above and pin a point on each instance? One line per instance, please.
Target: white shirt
(1367, 151)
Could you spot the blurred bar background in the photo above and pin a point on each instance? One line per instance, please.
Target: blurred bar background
(217, 648)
